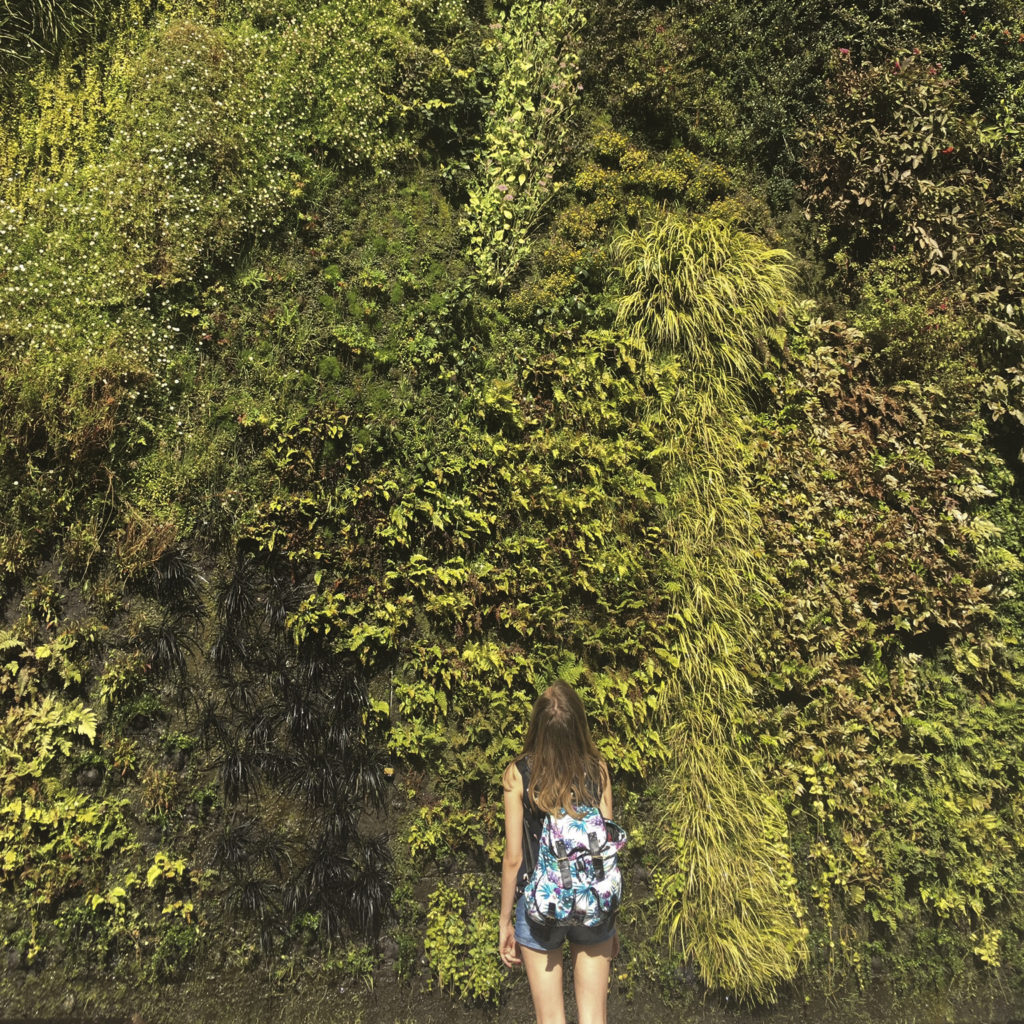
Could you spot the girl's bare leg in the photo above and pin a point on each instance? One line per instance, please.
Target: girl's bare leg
(591, 967)
(544, 971)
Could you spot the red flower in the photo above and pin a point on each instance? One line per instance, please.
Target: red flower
(948, 150)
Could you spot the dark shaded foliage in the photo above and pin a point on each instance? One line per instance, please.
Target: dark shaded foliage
(296, 713)
(742, 79)
(899, 161)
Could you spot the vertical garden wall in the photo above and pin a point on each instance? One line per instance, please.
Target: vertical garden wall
(364, 369)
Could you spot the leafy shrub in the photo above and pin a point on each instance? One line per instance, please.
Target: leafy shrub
(623, 175)
(619, 182)
(179, 144)
(54, 837)
(740, 80)
(925, 333)
(896, 161)
(445, 829)
(524, 134)
(174, 952)
(891, 706)
(459, 942)
(647, 68)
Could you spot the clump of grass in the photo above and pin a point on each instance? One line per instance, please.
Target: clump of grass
(699, 296)
(703, 289)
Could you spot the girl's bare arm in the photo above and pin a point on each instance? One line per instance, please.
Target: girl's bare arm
(606, 792)
(512, 783)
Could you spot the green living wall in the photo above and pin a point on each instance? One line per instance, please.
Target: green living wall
(366, 368)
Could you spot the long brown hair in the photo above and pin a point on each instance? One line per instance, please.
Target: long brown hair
(566, 768)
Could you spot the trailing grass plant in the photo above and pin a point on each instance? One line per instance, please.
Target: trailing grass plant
(699, 296)
(30, 29)
(703, 290)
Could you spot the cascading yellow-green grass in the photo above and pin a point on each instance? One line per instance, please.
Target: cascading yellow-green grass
(699, 295)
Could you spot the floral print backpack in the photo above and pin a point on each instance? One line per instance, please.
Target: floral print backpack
(577, 879)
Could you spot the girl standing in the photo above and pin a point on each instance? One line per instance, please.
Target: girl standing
(560, 767)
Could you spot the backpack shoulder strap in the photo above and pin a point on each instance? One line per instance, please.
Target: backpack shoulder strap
(531, 828)
(523, 764)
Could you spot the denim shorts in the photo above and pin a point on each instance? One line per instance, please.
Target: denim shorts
(546, 937)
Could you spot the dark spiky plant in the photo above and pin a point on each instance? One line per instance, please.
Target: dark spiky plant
(349, 889)
(699, 295)
(318, 780)
(291, 719)
(30, 28)
(370, 907)
(258, 899)
(177, 583)
(369, 783)
(236, 845)
(228, 650)
(168, 647)
(240, 773)
(245, 694)
(211, 723)
(322, 887)
(246, 842)
(239, 595)
(298, 710)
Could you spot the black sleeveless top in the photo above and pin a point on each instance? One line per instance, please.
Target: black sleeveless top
(533, 822)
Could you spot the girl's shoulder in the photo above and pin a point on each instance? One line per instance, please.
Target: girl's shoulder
(512, 778)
